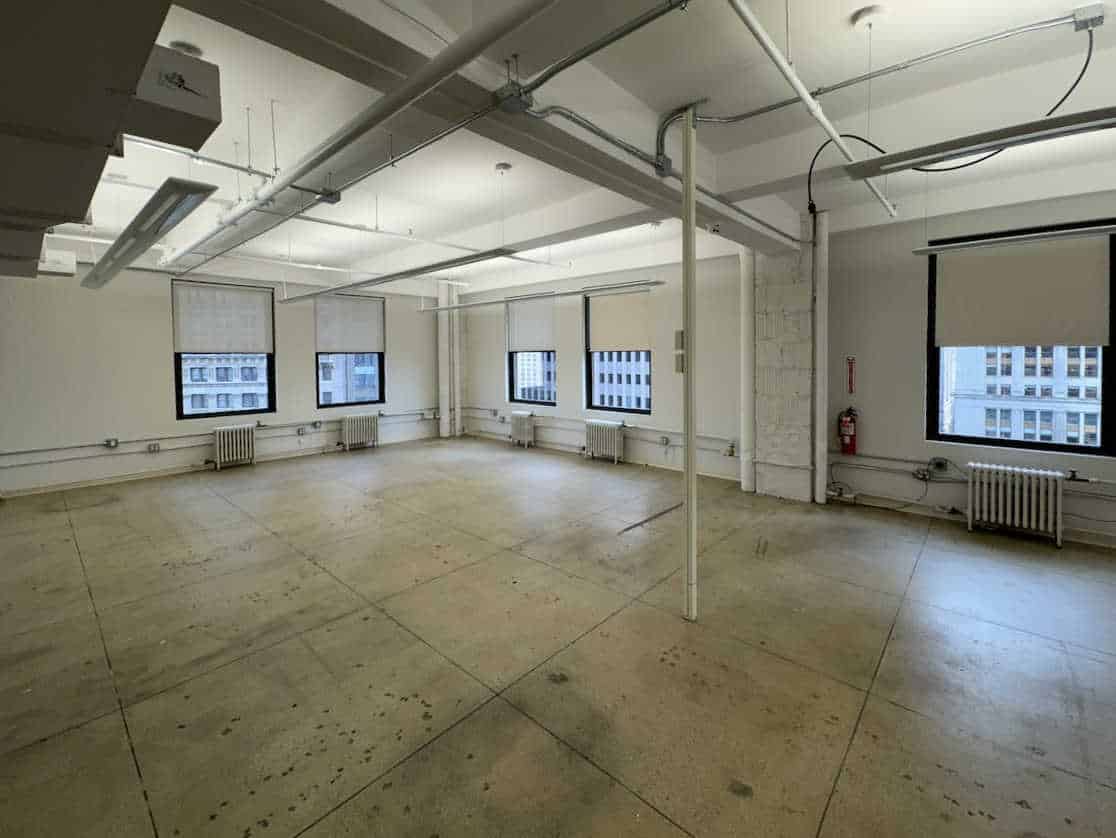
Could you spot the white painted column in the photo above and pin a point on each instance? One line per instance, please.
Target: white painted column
(458, 427)
(689, 359)
(748, 371)
(445, 375)
(820, 266)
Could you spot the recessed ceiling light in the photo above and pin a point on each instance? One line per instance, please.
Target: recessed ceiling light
(866, 16)
(187, 48)
(503, 167)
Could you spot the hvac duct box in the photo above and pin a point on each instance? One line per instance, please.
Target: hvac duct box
(177, 101)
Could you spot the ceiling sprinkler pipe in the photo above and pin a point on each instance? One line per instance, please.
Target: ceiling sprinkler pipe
(677, 114)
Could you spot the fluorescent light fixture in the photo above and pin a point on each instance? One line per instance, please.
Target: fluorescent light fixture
(1040, 130)
(422, 270)
(172, 202)
(1022, 238)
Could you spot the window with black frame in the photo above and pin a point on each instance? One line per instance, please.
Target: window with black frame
(998, 303)
(224, 357)
(532, 361)
(349, 363)
(617, 353)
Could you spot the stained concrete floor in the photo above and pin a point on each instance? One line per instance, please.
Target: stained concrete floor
(461, 639)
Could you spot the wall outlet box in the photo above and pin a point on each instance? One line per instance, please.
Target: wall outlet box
(301, 431)
(664, 441)
(112, 442)
(153, 448)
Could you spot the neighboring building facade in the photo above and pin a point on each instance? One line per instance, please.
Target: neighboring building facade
(1036, 394)
(345, 378)
(223, 382)
(535, 377)
(622, 380)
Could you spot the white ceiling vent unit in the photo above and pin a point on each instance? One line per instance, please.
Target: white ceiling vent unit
(57, 263)
(177, 100)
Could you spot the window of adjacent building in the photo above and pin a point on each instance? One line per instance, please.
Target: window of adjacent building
(1056, 333)
(219, 328)
(349, 362)
(618, 366)
(1028, 424)
(531, 377)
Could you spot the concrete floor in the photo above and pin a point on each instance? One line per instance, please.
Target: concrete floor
(456, 639)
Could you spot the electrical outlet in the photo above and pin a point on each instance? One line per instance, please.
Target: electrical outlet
(153, 448)
(112, 442)
(938, 464)
(503, 419)
(301, 431)
(664, 441)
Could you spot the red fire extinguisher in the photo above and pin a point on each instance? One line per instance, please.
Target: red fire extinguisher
(846, 430)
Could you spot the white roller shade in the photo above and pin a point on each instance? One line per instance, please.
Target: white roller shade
(531, 325)
(619, 321)
(1048, 292)
(221, 318)
(348, 323)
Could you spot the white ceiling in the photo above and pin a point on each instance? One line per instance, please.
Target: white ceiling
(452, 187)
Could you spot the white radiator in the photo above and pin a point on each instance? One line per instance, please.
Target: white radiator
(522, 428)
(234, 444)
(604, 439)
(360, 429)
(1020, 498)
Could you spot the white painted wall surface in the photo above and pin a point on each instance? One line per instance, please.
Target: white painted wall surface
(78, 366)
(718, 367)
(878, 314)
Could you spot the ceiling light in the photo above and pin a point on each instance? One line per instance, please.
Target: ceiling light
(866, 16)
(503, 167)
(187, 48)
(1040, 130)
(172, 202)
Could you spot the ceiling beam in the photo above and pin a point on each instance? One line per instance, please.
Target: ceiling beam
(317, 31)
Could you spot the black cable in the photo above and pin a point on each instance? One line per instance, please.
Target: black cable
(930, 169)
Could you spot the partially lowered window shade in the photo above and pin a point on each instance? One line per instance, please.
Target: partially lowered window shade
(1052, 292)
(619, 321)
(213, 318)
(531, 325)
(348, 323)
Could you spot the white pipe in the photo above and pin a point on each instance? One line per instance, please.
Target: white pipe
(445, 375)
(457, 358)
(812, 105)
(820, 270)
(689, 358)
(440, 68)
(748, 371)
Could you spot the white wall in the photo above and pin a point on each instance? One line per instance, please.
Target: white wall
(718, 367)
(878, 314)
(78, 366)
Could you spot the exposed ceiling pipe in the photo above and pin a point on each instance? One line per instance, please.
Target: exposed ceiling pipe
(440, 68)
(615, 288)
(408, 273)
(196, 157)
(756, 28)
(640, 154)
(677, 114)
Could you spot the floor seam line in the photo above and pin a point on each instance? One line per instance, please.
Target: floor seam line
(112, 674)
(868, 692)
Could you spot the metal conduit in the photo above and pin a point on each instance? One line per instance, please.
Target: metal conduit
(677, 114)
(640, 154)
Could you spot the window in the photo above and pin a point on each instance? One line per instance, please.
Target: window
(221, 328)
(1073, 428)
(1030, 360)
(617, 370)
(1073, 361)
(1092, 360)
(531, 377)
(1028, 424)
(1046, 425)
(349, 363)
(967, 401)
(1046, 362)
